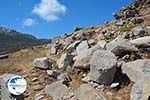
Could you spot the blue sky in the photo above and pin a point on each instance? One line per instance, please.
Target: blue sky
(49, 18)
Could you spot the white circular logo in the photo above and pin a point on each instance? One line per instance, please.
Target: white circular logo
(17, 85)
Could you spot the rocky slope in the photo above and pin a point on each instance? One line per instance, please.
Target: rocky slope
(11, 40)
(106, 62)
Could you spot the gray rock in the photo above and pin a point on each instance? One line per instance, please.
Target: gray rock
(102, 44)
(64, 77)
(69, 96)
(103, 67)
(83, 46)
(53, 73)
(121, 23)
(120, 45)
(136, 70)
(5, 94)
(91, 42)
(48, 46)
(65, 61)
(87, 92)
(143, 41)
(83, 59)
(70, 48)
(42, 63)
(141, 90)
(148, 30)
(130, 13)
(53, 50)
(138, 31)
(56, 90)
(136, 20)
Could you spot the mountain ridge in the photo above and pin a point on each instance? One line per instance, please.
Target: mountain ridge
(12, 40)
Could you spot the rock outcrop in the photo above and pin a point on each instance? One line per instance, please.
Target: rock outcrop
(120, 46)
(103, 67)
(136, 70)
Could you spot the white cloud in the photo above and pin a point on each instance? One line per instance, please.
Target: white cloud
(29, 22)
(49, 10)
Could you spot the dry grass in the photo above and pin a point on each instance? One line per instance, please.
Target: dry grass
(20, 61)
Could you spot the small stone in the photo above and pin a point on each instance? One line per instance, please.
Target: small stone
(34, 79)
(86, 79)
(42, 63)
(64, 77)
(113, 85)
(53, 73)
(91, 42)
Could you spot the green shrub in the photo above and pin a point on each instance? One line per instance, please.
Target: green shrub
(77, 36)
(126, 27)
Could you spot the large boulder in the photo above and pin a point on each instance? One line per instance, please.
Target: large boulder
(82, 60)
(56, 90)
(143, 41)
(42, 63)
(103, 67)
(141, 89)
(136, 70)
(120, 46)
(83, 46)
(65, 61)
(87, 92)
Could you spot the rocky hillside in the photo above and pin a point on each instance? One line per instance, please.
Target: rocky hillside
(11, 40)
(104, 62)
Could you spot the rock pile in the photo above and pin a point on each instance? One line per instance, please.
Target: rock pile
(94, 63)
(102, 58)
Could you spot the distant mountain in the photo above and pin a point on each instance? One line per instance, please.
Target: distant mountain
(11, 40)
